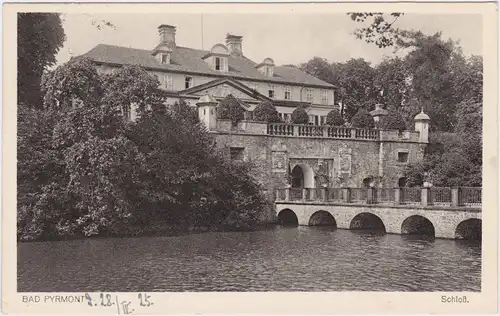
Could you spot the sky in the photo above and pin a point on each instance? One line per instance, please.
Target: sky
(286, 38)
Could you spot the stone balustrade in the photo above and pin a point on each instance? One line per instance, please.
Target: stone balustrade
(314, 131)
(434, 196)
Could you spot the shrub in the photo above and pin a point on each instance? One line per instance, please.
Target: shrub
(230, 109)
(334, 118)
(299, 116)
(362, 119)
(266, 112)
(394, 120)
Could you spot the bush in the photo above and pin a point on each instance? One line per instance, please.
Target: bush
(299, 116)
(230, 109)
(394, 120)
(362, 119)
(334, 118)
(266, 112)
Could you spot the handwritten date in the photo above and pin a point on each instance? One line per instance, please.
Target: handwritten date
(124, 307)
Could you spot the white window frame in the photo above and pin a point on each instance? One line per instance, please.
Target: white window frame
(311, 119)
(271, 88)
(288, 93)
(169, 82)
(191, 82)
(167, 58)
(218, 67)
(309, 94)
(324, 96)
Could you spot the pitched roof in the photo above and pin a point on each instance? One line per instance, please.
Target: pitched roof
(188, 60)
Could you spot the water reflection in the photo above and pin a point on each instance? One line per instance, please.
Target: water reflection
(320, 258)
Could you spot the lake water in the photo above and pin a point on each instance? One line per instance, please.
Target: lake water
(279, 259)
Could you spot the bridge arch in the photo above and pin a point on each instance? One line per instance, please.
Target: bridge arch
(367, 220)
(322, 218)
(288, 217)
(302, 176)
(470, 229)
(417, 225)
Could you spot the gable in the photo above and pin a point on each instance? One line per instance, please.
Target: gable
(222, 90)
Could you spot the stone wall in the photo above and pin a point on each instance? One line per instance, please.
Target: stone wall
(334, 162)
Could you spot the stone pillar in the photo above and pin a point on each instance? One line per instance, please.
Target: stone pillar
(454, 196)
(353, 133)
(425, 196)
(277, 194)
(287, 194)
(397, 196)
(347, 195)
(304, 194)
(323, 194)
(370, 196)
(312, 193)
(295, 130)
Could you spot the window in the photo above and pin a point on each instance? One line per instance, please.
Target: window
(280, 115)
(402, 157)
(324, 97)
(165, 58)
(217, 63)
(188, 82)
(249, 115)
(169, 84)
(271, 91)
(268, 71)
(237, 153)
(311, 119)
(288, 93)
(287, 117)
(309, 94)
(323, 120)
(126, 113)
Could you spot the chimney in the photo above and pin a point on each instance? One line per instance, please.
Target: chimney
(167, 35)
(233, 42)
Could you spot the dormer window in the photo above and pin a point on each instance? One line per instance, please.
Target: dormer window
(217, 58)
(266, 67)
(165, 58)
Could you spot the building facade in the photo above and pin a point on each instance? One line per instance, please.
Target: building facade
(191, 73)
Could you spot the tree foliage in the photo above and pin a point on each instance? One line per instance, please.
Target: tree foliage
(230, 109)
(299, 116)
(39, 38)
(362, 119)
(393, 120)
(266, 112)
(86, 171)
(379, 27)
(334, 118)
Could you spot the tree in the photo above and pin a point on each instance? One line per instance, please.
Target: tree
(75, 82)
(362, 119)
(380, 31)
(266, 112)
(230, 108)
(393, 120)
(393, 79)
(39, 38)
(334, 118)
(133, 85)
(299, 116)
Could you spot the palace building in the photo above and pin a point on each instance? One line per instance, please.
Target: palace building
(189, 73)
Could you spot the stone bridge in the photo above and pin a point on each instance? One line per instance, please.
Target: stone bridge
(440, 222)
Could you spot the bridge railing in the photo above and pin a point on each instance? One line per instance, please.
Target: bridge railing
(448, 197)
